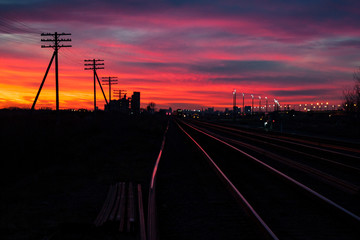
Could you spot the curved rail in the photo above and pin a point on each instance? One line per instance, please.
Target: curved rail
(297, 183)
(233, 189)
(151, 219)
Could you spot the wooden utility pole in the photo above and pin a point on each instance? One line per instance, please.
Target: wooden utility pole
(56, 46)
(109, 81)
(95, 65)
(118, 92)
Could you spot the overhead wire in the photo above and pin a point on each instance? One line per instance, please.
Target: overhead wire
(15, 30)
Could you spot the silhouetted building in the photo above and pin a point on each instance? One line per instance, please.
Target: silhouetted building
(247, 109)
(124, 105)
(121, 105)
(135, 103)
(114, 106)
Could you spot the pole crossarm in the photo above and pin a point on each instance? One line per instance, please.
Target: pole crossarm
(56, 40)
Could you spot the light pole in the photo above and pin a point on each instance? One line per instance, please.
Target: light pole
(252, 104)
(266, 101)
(259, 103)
(243, 103)
(276, 104)
(234, 103)
(234, 98)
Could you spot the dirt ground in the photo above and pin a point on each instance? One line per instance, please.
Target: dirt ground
(55, 171)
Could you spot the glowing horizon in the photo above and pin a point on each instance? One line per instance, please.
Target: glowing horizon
(189, 54)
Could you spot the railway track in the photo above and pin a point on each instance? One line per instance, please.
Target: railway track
(319, 148)
(282, 206)
(342, 172)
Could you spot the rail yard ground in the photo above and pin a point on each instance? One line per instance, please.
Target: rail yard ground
(56, 171)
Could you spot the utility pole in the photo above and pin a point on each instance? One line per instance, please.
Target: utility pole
(117, 92)
(109, 81)
(95, 65)
(55, 40)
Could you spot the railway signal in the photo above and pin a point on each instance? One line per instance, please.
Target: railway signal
(55, 40)
(95, 64)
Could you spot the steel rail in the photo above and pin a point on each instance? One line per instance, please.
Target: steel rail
(325, 177)
(297, 183)
(288, 149)
(321, 144)
(151, 219)
(342, 165)
(233, 188)
(285, 141)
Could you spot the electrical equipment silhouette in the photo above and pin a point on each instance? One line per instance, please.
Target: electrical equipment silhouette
(55, 40)
(94, 66)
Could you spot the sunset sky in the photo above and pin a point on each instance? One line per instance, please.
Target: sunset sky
(181, 54)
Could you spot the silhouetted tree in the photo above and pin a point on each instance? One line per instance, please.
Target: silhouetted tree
(352, 96)
(151, 107)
